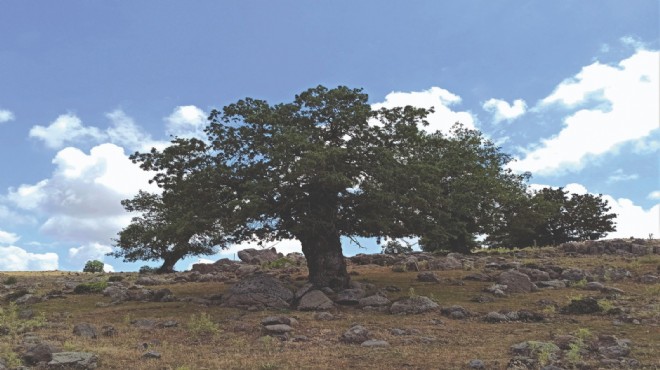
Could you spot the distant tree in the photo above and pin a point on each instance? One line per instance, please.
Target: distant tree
(396, 247)
(553, 216)
(93, 266)
(323, 166)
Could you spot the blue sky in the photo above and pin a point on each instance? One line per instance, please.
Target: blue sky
(568, 88)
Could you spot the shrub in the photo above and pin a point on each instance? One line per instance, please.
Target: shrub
(202, 325)
(93, 266)
(87, 288)
(279, 263)
(10, 280)
(115, 278)
(394, 247)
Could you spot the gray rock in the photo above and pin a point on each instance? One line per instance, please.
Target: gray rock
(258, 290)
(350, 297)
(516, 282)
(573, 274)
(149, 280)
(411, 264)
(476, 364)
(584, 305)
(553, 284)
(447, 263)
(41, 352)
(455, 312)
(152, 355)
(594, 285)
(324, 316)
(315, 300)
(108, 331)
(144, 323)
(413, 305)
(428, 277)
(495, 317)
(649, 279)
(374, 301)
(357, 334)
(27, 300)
(73, 360)
(247, 270)
(85, 330)
(275, 320)
(258, 256)
(278, 329)
(533, 348)
(373, 343)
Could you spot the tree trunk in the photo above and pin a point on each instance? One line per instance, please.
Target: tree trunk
(168, 264)
(325, 260)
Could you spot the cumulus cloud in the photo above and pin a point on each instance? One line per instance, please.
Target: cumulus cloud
(619, 176)
(6, 116)
(440, 99)
(13, 258)
(8, 238)
(503, 111)
(108, 268)
(81, 200)
(68, 129)
(608, 105)
(285, 246)
(654, 195)
(187, 121)
(91, 251)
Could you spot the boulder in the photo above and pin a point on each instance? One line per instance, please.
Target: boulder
(455, 312)
(413, 305)
(357, 334)
(258, 256)
(85, 330)
(516, 282)
(495, 317)
(373, 343)
(428, 277)
(40, 352)
(315, 300)
(350, 297)
(585, 305)
(447, 263)
(374, 301)
(259, 290)
(73, 360)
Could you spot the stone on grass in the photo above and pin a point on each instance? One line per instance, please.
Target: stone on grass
(73, 360)
(350, 297)
(324, 316)
(278, 329)
(357, 334)
(315, 300)
(476, 364)
(151, 355)
(516, 282)
(259, 290)
(413, 305)
(374, 301)
(585, 305)
(85, 330)
(495, 317)
(41, 352)
(428, 277)
(373, 343)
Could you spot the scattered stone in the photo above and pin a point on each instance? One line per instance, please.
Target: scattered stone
(413, 305)
(278, 329)
(447, 263)
(574, 274)
(260, 290)
(373, 343)
(315, 300)
(108, 331)
(357, 334)
(535, 274)
(151, 355)
(324, 316)
(478, 277)
(411, 264)
(455, 312)
(85, 330)
(428, 277)
(40, 352)
(483, 299)
(553, 284)
(495, 317)
(258, 257)
(476, 364)
(350, 297)
(73, 360)
(374, 301)
(585, 305)
(516, 282)
(649, 279)
(497, 290)
(533, 348)
(144, 323)
(594, 285)
(149, 280)
(276, 320)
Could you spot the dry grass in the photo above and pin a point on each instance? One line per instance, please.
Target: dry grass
(456, 341)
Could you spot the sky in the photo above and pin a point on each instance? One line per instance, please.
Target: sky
(569, 89)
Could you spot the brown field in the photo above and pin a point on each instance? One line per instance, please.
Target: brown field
(239, 342)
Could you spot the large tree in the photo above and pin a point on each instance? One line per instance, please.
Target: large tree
(326, 165)
(553, 216)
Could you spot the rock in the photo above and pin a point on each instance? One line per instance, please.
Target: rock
(260, 290)
(411, 264)
(495, 317)
(276, 320)
(573, 274)
(315, 300)
(108, 331)
(149, 280)
(85, 330)
(516, 282)
(594, 285)
(247, 270)
(428, 277)
(73, 360)
(476, 364)
(610, 346)
(144, 323)
(455, 312)
(447, 263)
(278, 329)
(41, 352)
(477, 277)
(350, 297)
(27, 299)
(357, 334)
(529, 316)
(324, 316)
(373, 343)
(649, 279)
(374, 301)
(585, 305)
(533, 348)
(535, 274)
(483, 299)
(204, 268)
(258, 256)
(554, 284)
(151, 355)
(413, 305)
(497, 290)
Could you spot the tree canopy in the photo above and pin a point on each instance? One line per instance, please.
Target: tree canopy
(323, 166)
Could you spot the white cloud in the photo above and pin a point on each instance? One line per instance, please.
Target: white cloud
(633, 220)
(187, 121)
(655, 195)
(69, 129)
(503, 111)
(285, 246)
(627, 110)
(66, 128)
(440, 99)
(13, 258)
(81, 201)
(6, 116)
(108, 268)
(619, 176)
(91, 251)
(8, 238)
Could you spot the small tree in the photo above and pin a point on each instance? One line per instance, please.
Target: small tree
(93, 266)
(395, 247)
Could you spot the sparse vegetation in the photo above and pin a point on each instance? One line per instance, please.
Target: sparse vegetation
(10, 280)
(91, 287)
(202, 325)
(93, 266)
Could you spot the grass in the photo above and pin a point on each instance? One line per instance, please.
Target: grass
(211, 338)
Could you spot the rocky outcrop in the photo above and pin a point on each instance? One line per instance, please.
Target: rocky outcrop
(261, 291)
